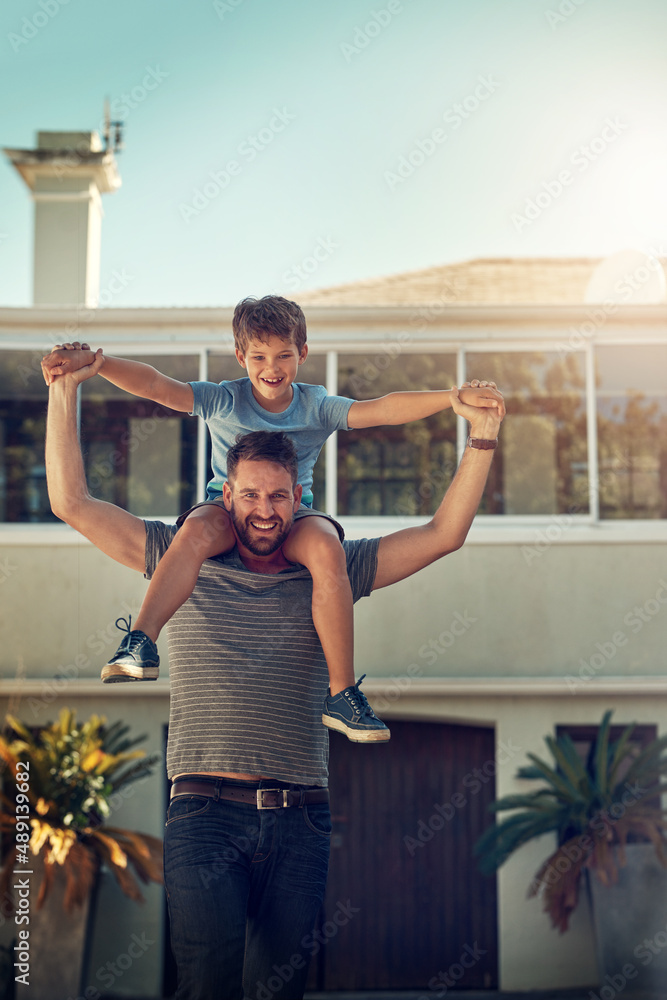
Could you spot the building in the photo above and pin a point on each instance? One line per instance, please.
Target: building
(552, 612)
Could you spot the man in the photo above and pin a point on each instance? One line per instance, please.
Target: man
(247, 834)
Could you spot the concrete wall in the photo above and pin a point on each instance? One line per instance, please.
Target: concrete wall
(592, 604)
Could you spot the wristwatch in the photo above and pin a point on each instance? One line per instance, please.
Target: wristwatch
(484, 444)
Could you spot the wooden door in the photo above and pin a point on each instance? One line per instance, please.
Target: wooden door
(406, 906)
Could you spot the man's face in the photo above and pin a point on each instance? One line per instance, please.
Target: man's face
(261, 502)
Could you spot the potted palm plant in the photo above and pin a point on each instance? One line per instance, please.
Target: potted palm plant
(59, 784)
(610, 825)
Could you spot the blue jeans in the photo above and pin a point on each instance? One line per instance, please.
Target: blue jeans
(244, 887)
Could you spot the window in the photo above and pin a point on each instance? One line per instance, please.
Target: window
(632, 431)
(541, 465)
(137, 454)
(23, 496)
(396, 470)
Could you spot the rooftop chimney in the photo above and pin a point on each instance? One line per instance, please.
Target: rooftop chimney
(67, 174)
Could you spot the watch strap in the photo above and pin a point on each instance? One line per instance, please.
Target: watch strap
(483, 444)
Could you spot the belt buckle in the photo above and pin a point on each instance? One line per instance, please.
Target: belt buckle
(260, 798)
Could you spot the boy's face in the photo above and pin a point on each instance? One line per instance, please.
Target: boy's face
(271, 368)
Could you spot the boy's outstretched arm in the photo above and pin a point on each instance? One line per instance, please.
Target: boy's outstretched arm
(132, 376)
(403, 553)
(402, 407)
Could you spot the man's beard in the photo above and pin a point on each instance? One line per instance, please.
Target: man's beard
(259, 543)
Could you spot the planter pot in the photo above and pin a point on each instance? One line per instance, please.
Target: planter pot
(58, 940)
(630, 924)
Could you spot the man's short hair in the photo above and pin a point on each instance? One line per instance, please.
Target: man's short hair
(259, 319)
(264, 446)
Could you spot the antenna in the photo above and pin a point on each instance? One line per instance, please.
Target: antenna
(112, 143)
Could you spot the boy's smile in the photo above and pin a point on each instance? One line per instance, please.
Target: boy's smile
(272, 367)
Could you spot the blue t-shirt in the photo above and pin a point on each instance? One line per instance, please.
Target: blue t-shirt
(230, 409)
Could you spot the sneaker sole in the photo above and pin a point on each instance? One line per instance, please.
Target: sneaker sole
(116, 673)
(357, 735)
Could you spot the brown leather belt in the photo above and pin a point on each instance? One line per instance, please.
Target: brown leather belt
(262, 798)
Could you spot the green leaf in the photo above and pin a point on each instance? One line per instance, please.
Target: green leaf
(560, 784)
(601, 753)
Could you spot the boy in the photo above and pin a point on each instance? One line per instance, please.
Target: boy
(270, 343)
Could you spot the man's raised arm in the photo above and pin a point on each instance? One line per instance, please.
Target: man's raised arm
(405, 552)
(116, 532)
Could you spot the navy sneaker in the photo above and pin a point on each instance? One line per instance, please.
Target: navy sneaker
(349, 713)
(136, 659)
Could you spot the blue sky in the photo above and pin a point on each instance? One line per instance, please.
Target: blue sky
(289, 144)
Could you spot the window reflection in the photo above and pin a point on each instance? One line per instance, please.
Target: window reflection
(632, 431)
(23, 398)
(396, 470)
(138, 454)
(541, 463)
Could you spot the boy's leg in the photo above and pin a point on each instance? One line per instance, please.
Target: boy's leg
(314, 542)
(206, 532)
